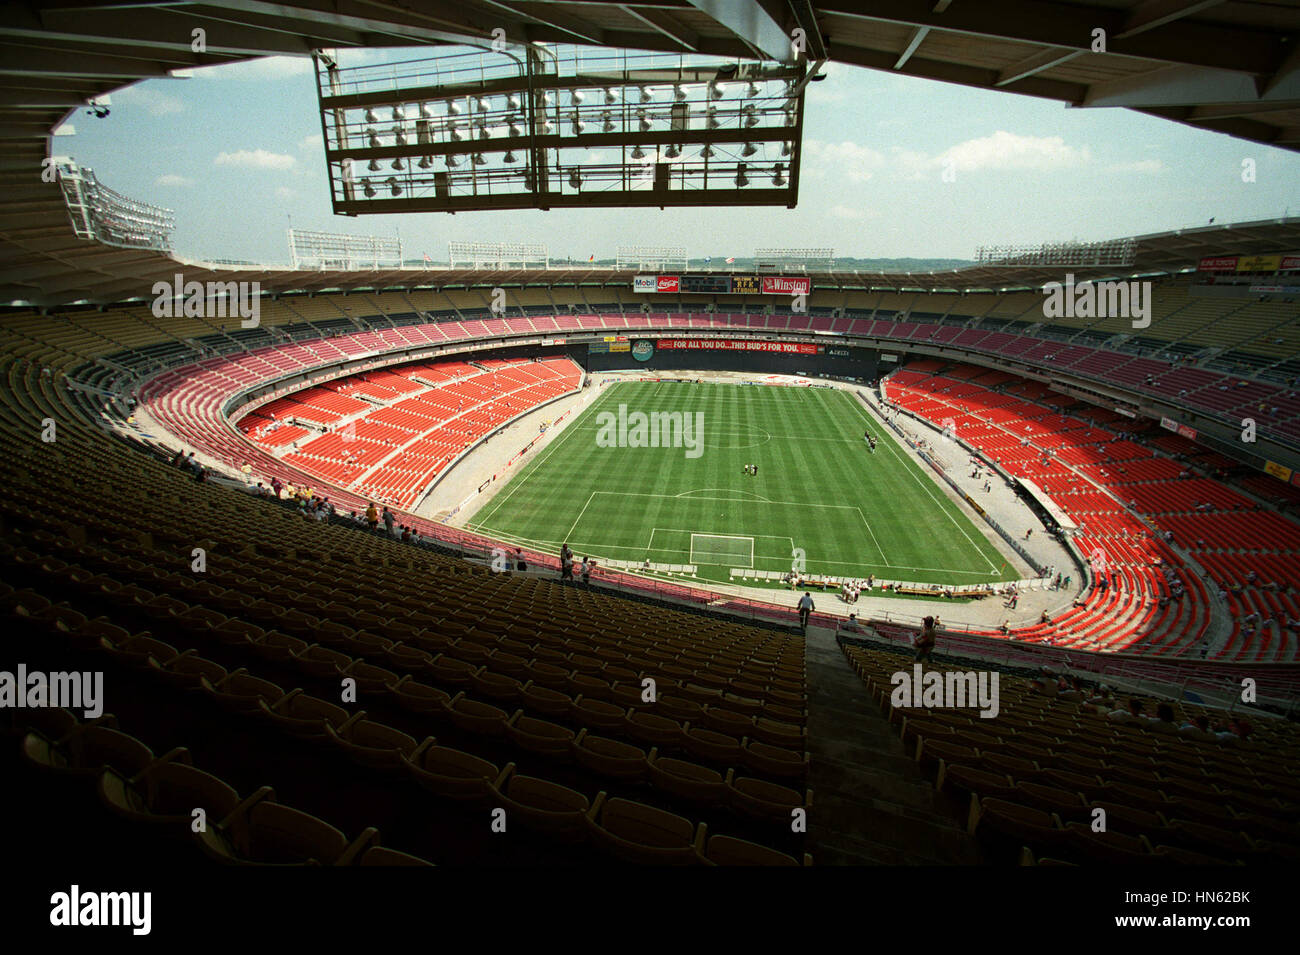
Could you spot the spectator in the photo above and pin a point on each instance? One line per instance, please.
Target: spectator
(806, 607)
(851, 624)
(372, 516)
(520, 563)
(925, 642)
(1198, 729)
(388, 519)
(586, 570)
(1163, 721)
(1130, 715)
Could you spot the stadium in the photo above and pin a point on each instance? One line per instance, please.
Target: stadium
(370, 560)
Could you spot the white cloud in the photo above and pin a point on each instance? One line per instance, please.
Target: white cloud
(171, 179)
(255, 159)
(854, 162)
(1007, 151)
(1142, 165)
(156, 102)
(284, 192)
(309, 142)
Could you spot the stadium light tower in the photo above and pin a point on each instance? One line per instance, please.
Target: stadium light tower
(540, 126)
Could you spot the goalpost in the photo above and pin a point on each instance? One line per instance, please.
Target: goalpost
(722, 549)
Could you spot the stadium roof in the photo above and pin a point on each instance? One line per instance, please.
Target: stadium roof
(1231, 66)
(49, 266)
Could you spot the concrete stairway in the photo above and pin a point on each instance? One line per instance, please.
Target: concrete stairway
(870, 804)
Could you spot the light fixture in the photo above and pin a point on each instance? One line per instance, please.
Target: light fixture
(741, 179)
(610, 98)
(393, 186)
(607, 124)
(643, 120)
(426, 111)
(367, 188)
(713, 117)
(753, 90)
(547, 127)
(578, 96)
(751, 116)
(787, 148)
(425, 162)
(778, 177)
(673, 151)
(374, 139)
(679, 94)
(399, 114)
(453, 160)
(516, 129)
(373, 165)
(706, 152)
(575, 181)
(749, 150)
(645, 94)
(715, 90)
(509, 157)
(371, 117)
(454, 108)
(638, 153)
(513, 101)
(578, 124)
(548, 99)
(479, 160)
(398, 164)
(483, 130)
(401, 137)
(456, 134)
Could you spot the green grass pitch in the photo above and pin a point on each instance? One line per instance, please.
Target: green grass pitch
(819, 489)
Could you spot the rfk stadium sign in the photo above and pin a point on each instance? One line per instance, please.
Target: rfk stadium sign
(787, 348)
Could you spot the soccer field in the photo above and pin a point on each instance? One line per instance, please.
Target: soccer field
(818, 490)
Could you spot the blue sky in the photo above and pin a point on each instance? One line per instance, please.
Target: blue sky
(236, 151)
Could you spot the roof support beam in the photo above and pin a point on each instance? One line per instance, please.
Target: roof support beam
(918, 35)
(1156, 13)
(749, 20)
(665, 25)
(1030, 65)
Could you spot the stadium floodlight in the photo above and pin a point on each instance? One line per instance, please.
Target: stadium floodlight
(526, 119)
(741, 179)
(374, 166)
(497, 255)
(749, 150)
(99, 213)
(371, 117)
(575, 180)
(787, 148)
(778, 177)
(331, 250)
(651, 258)
(1113, 253)
(803, 259)
(393, 185)
(368, 188)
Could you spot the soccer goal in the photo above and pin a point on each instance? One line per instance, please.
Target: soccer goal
(723, 550)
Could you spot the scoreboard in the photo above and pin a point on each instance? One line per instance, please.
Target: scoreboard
(724, 284)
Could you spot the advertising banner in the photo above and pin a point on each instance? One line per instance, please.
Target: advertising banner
(787, 348)
(781, 285)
